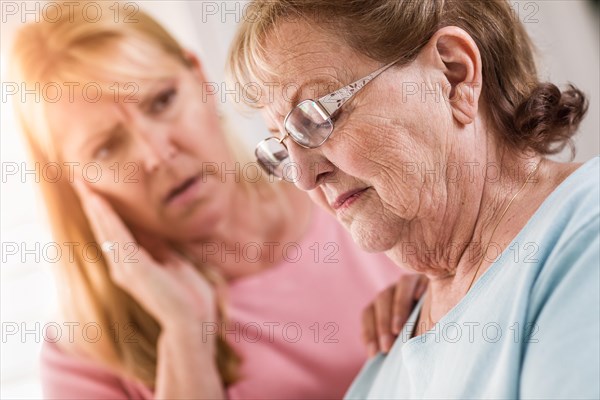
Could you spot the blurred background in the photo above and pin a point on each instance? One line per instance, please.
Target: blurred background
(566, 33)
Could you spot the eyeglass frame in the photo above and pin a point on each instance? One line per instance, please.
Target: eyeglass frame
(329, 105)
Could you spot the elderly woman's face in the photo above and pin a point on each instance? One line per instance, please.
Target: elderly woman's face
(372, 169)
(157, 153)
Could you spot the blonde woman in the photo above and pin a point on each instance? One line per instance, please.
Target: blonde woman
(146, 176)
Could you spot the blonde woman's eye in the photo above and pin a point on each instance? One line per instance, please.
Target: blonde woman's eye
(102, 153)
(163, 100)
(105, 150)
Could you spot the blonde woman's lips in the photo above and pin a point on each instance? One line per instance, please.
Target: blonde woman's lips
(184, 192)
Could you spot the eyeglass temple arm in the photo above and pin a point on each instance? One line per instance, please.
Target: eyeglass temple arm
(334, 101)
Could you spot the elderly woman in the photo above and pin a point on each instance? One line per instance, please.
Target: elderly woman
(424, 126)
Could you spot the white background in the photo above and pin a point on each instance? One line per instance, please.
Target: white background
(567, 36)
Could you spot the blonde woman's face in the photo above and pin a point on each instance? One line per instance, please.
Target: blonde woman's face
(156, 152)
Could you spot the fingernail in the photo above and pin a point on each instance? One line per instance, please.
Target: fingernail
(371, 349)
(396, 325)
(76, 183)
(386, 342)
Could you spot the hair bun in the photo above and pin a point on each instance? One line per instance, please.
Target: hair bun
(548, 118)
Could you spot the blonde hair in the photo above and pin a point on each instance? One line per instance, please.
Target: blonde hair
(73, 49)
(526, 113)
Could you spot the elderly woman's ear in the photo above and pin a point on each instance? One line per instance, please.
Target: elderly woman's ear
(455, 54)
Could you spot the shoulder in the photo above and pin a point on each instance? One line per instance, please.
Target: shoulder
(562, 316)
(568, 216)
(567, 239)
(580, 192)
(577, 199)
(66, 374)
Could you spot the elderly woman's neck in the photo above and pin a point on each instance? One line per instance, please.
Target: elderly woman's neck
(508, 193)
(484, 212)
(494, 228)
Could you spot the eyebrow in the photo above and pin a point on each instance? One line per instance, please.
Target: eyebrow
(156, 88)
(314, 81)
(295, 97)
(109, 131)
(93, 139)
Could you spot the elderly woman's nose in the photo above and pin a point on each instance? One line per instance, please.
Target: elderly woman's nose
(309, 165)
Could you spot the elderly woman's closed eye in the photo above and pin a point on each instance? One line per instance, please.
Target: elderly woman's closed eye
(432, 147)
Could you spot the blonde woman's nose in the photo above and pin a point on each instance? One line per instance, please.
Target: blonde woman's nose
(156, 150)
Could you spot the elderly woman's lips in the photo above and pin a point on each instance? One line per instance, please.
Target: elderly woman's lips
(345, 199)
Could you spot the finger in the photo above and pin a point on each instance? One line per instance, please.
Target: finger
(383, 319)
(403, 301)
(158, 248)
(103, 219)
(92, 207)
(108, 226)
(86, 197)
(421, 287)
(369, 331)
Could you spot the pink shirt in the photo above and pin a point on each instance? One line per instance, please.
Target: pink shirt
(297, 324)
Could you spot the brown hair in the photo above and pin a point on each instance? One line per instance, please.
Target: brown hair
(73, 49)
(527, 113)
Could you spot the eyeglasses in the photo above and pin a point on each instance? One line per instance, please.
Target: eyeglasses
(309, 124)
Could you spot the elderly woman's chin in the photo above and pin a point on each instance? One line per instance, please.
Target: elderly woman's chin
(371, 228)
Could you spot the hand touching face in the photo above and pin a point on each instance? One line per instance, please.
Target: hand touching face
(162, 281)
(157, 154)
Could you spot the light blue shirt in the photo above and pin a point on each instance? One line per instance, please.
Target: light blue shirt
(528, 328)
